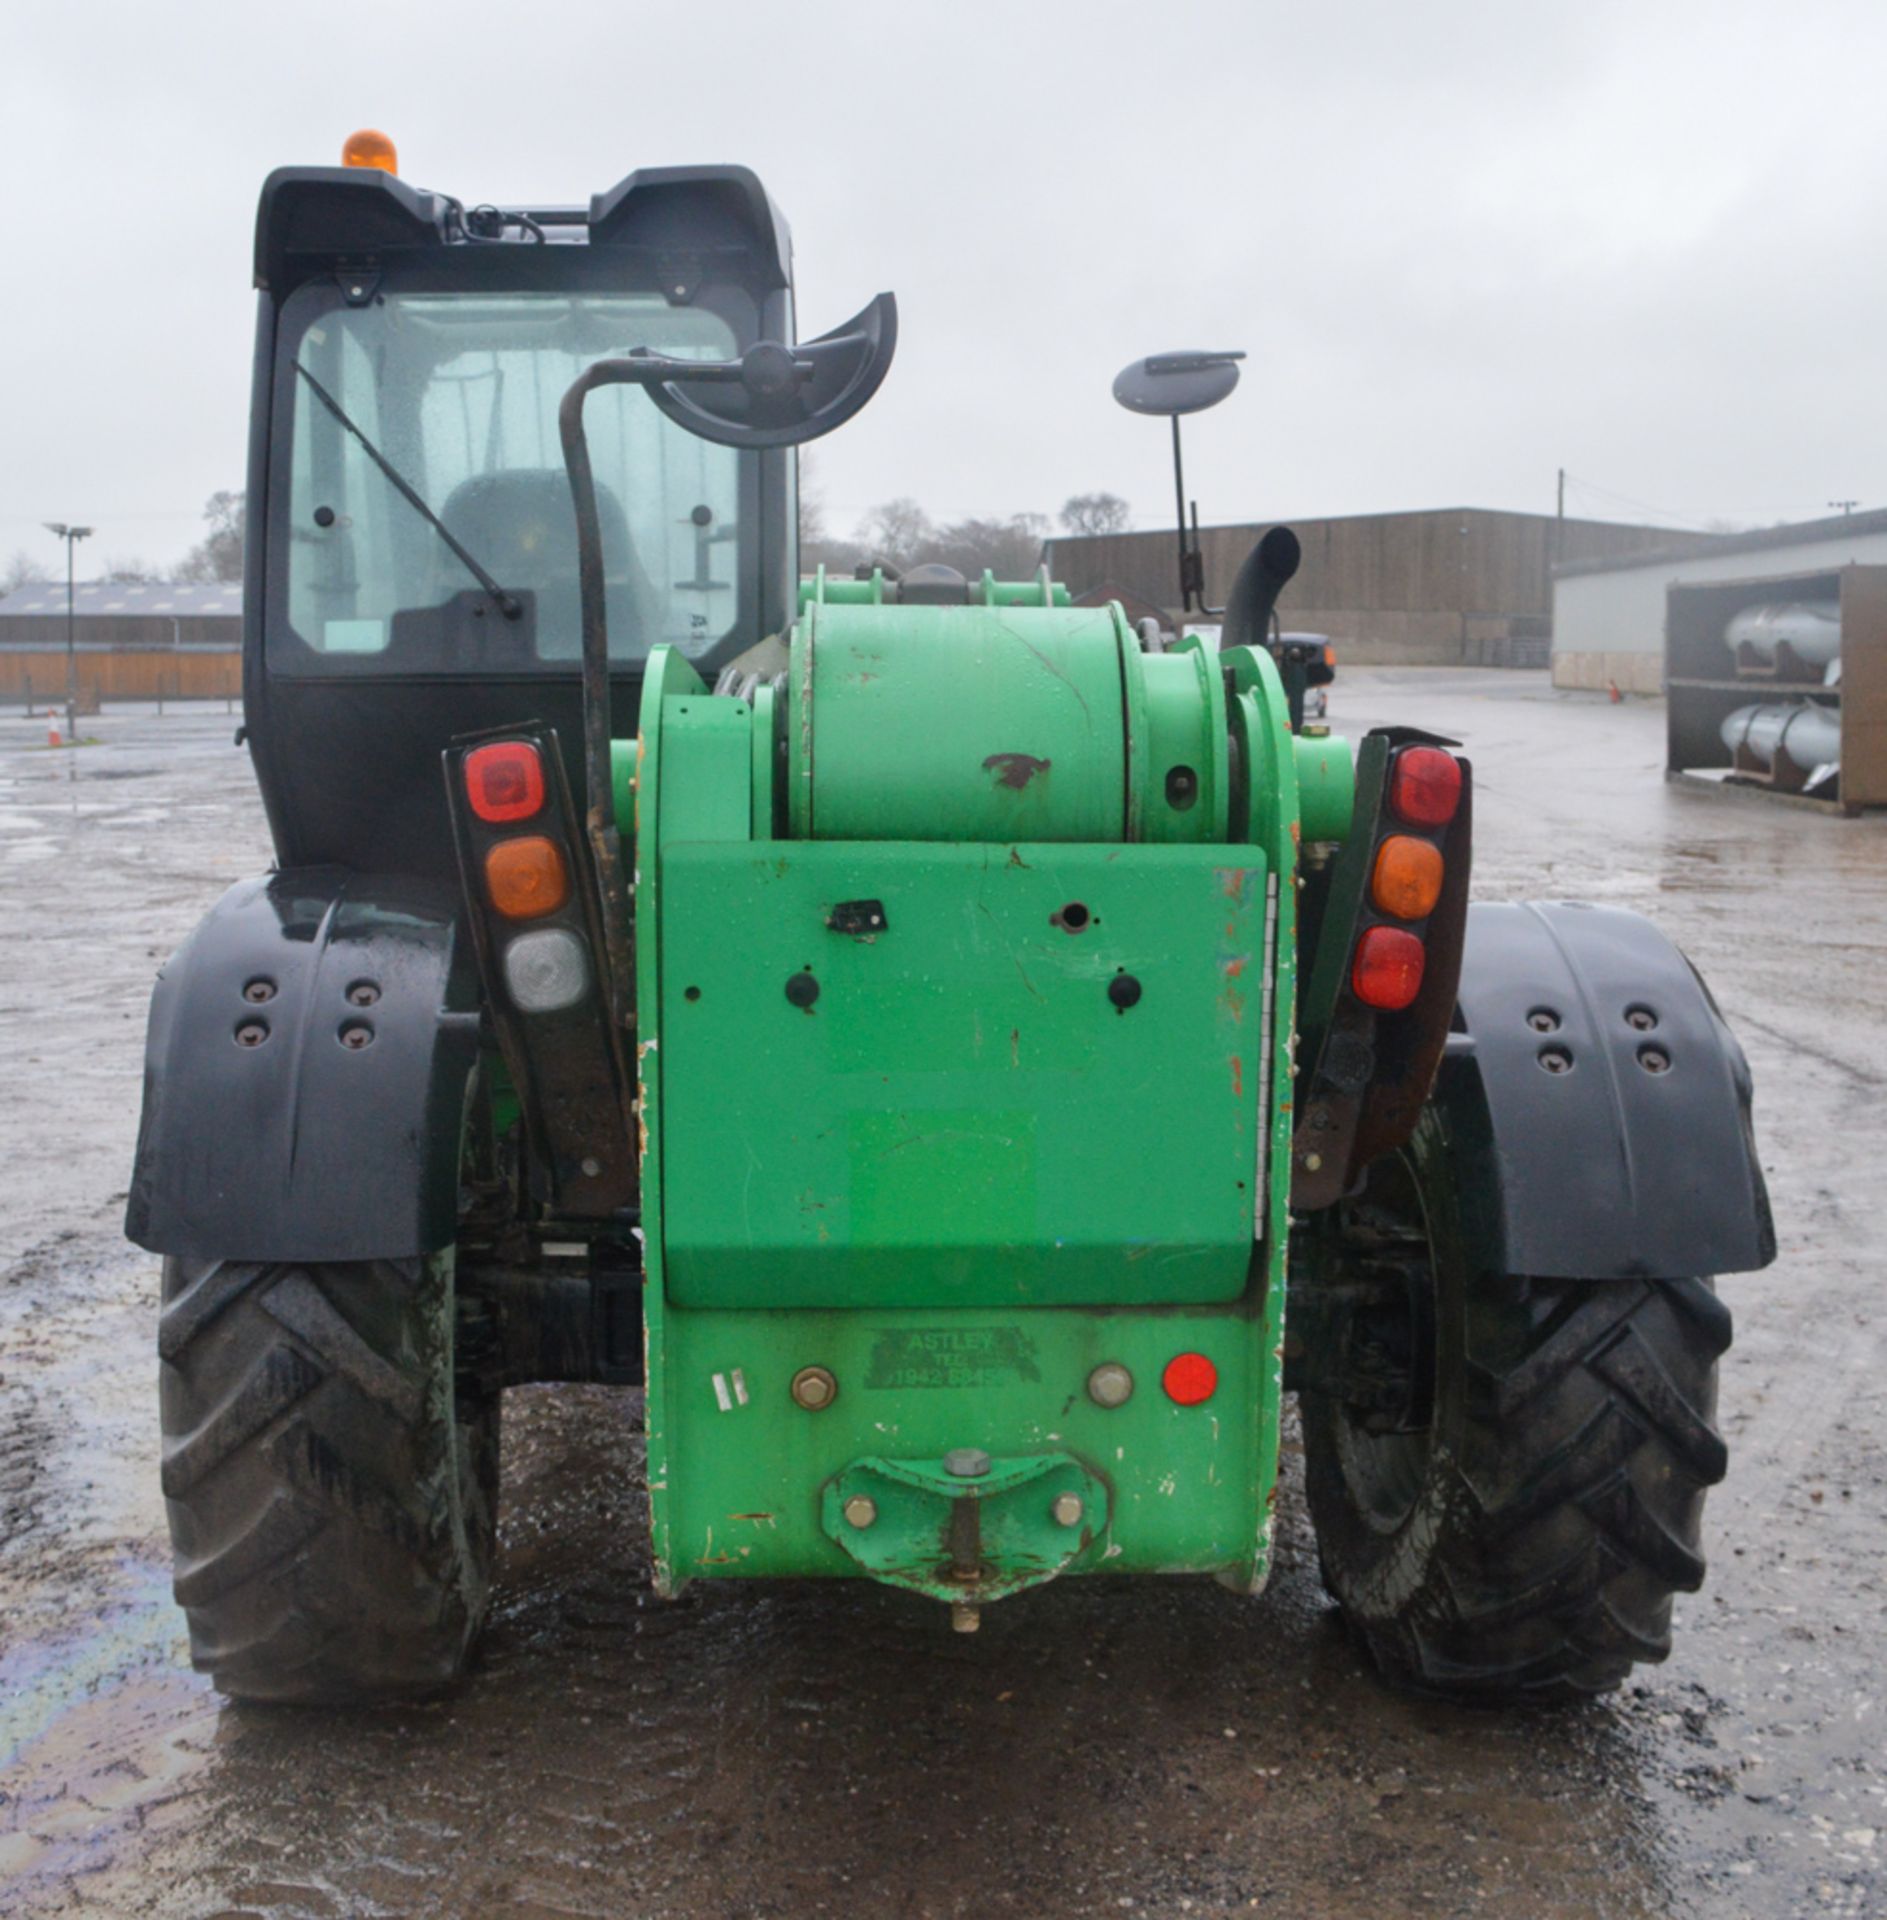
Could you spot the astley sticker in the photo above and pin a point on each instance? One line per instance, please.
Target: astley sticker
(952, 1357)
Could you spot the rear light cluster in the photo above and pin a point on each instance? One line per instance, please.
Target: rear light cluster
(1424, 792)
(526, 877)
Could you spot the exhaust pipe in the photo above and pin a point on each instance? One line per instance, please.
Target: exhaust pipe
(1252, 604)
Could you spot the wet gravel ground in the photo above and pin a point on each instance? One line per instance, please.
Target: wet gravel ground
(1158, 1748)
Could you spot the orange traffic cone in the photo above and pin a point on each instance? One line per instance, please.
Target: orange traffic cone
(1617, 697)
(52, 736)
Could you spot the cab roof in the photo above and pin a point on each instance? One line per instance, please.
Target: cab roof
(703, 222)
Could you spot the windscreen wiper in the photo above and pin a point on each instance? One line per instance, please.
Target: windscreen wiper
(507, 604)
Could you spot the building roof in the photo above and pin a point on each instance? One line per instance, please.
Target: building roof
(1795, 533)
(103, 599)
(1357, 519)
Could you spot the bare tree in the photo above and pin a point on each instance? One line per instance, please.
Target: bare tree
(22, 571)
(1010, 548)
(218, 555)
(128, 571)
(898, 534)
(1096, 513)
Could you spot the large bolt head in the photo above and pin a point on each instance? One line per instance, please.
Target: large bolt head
(966, 1463)
(1110, 1385)
(860, 1510)
(1067, 1509)
(815, 1388)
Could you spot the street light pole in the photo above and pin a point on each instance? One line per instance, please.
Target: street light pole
(71, 536)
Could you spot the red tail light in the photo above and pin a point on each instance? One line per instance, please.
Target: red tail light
(1425, 786)
(1190, 1379)
(504, 781)
(1387, 970)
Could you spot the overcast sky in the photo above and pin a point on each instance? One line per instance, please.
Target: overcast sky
(1464, 242)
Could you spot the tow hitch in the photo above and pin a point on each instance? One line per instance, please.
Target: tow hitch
(966, 1528)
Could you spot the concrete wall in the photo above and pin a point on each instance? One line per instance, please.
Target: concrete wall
(1610, 626)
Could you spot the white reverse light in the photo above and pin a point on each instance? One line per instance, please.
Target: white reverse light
(547, 970)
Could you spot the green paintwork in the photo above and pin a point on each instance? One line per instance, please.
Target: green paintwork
(961, 1178)
(622, 782)
(1326, 785)
(999, 724)
(962, 1115)
(668, 676)
(740, 1493)
(955, 723)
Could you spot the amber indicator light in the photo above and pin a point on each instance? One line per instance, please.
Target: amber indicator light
(1406, 880)
(526, 877)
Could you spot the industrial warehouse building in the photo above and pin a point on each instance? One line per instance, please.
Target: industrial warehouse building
(132, 642)
(1447, 587)
(1608, 613)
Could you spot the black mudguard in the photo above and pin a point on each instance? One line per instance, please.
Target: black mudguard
(301, 1146)
(1636, 1161)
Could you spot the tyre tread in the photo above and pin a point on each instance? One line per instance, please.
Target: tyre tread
(332, 1526)
(1565, 1508)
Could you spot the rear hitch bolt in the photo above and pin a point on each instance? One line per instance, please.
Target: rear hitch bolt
(1642, 1019)
(815, 1388)
(1556, 1060)
(356, 1036)
(363, 993)
(1110, 1385)
(860, 1510)
(966, 1463)
(1067, 1510)
(965, 1619)
(1654, 1060)
(1543, 1020)
(251, 1033)
(257, 991)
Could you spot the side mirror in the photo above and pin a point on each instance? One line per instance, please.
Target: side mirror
(773, 395)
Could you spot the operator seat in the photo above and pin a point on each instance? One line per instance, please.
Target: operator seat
(521, 528)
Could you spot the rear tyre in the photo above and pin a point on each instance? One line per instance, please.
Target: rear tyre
(1522, 1534)
(331, 1478)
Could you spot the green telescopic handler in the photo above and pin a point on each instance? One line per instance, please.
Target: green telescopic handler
(964, 1062)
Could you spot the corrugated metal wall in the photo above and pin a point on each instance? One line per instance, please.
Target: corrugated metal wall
(1438, 585)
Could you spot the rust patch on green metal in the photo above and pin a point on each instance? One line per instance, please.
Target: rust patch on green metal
(1015, 769)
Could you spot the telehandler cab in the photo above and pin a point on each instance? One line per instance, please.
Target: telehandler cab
(965, 1066)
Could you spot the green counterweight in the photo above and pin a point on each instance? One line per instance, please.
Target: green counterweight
(966, 987)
